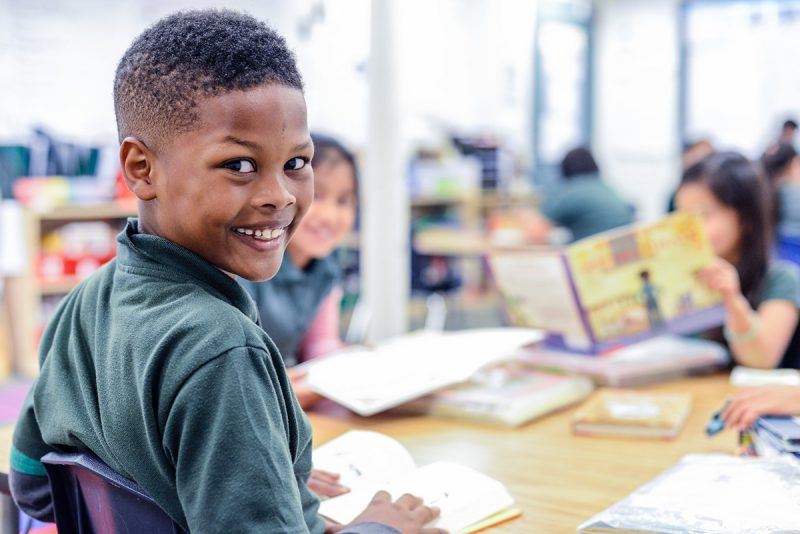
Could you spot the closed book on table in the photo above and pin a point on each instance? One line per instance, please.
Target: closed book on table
(626, 413)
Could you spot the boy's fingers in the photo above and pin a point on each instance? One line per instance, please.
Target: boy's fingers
(434, 531)
(381, 496)
(409, 501)
(325, 475)
(327, 489)
(425, 514)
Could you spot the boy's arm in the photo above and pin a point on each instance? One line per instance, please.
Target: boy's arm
(31, 494)
(27, 478)
(228, 439)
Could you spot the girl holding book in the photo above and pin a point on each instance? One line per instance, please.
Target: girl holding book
(761, 296)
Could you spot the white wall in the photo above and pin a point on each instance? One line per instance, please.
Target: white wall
(635, 102)
(61, 57)
(741, 76)
(466, 65)
(462, 64)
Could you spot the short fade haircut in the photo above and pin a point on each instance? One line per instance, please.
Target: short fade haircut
(192, 55)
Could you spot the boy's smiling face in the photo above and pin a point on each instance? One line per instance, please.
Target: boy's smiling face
(235, 187)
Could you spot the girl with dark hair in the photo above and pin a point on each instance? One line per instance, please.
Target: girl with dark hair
(761, 297)
(299, 307)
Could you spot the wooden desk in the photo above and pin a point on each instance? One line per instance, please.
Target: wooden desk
(558, 480)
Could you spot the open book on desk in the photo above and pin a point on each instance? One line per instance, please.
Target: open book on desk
(612, 289)
(368, 462)
(371, 380)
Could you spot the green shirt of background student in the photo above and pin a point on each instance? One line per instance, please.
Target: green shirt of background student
(582, 203)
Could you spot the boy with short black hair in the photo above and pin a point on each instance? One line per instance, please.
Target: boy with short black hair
(157, 363)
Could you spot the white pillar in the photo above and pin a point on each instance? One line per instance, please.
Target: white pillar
(385, 204)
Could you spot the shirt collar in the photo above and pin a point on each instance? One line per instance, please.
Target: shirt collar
(172, 261)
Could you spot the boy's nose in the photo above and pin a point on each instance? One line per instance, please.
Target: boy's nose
(273, 193)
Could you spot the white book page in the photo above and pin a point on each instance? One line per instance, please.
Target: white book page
(463, 495)
(538, 293)
(364, 459)
(369, 381)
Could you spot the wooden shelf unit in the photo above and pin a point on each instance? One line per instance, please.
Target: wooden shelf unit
(27, 291)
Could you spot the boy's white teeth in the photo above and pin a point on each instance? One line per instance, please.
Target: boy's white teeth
(263, 233)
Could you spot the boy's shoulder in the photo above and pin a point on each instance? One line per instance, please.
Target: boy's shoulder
(148, 311)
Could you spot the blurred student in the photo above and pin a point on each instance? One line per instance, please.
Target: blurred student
(781, 165)
(583, 204)
(693, 152)
(750, 404)
(299, 307)
(788, 132)
(761, 297)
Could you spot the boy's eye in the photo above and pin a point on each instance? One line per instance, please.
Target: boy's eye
(295, 164)
(241, 165)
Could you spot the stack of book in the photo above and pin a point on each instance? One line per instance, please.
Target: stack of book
(776, 436)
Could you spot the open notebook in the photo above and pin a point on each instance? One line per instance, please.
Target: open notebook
(369, 462)
(371, 380)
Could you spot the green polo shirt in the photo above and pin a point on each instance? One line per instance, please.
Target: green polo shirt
(783, 283)
(157, 364)
(586, 206)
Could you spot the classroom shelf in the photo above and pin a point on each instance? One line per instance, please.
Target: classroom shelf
(28, 291)
(58, 287)
(89, 212)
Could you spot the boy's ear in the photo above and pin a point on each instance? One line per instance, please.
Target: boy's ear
(137, 165)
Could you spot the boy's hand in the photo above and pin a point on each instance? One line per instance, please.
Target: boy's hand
(750, 404)
(722, 277)
(408, 514)
(326, 484)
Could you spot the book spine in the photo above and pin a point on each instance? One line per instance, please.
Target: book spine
(587, 327)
